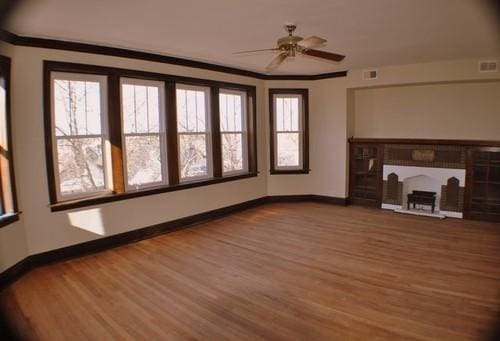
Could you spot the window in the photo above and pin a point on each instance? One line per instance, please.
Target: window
(8, 204)
(233, 131)
(193, 128)
(289, 131)
(80, 134)
(113, 134)
(143, 122)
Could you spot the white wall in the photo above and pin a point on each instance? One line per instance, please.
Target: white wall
(13, 247)
(330, 116)
(457, 110)
(327, 141)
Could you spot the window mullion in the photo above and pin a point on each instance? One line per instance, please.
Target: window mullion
(115, 133)
(171, 133)
(216, 133)
(251, 124)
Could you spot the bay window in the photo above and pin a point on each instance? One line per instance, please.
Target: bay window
(113, 134)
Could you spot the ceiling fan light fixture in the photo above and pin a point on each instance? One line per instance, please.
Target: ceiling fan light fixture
(291, 44)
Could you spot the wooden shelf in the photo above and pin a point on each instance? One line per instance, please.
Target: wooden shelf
(360, 175)
(486, 182)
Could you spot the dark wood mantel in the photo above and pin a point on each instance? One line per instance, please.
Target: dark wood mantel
(442, 142)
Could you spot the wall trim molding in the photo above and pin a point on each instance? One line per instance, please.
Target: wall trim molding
(66, 45)
(445, 142)
(27, 264)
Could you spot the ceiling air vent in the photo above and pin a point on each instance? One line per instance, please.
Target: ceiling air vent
(370, 74)
(488, 66)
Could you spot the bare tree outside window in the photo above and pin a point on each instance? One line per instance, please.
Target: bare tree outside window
(79, 136)
(287, 130)
(144, 132)
(193, 130)
(233, 131)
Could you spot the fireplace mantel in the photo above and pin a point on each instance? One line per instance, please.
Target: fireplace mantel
(441, 142)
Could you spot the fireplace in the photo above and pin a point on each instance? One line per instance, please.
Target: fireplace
(382, 172)
(425, 198)
(421, 180)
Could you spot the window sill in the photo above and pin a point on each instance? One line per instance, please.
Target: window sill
(8, 219)
(289, 171)
(89, 201)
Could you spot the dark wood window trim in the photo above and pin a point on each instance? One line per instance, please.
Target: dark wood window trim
(114, 120)
(8, 219)
(305, 138)
(8, 182)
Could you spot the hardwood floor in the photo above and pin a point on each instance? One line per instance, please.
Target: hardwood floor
(295, 271)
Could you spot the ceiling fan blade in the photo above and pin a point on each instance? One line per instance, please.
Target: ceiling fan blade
(311, 42)
(325, 55)
(277, 61)
(262, 50)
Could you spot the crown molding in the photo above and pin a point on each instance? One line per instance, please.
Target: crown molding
(56, 44)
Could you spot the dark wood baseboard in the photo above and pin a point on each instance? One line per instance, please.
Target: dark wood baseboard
(14, 272)
(17, 270)
(364, 202)
(307, 197)
(330, 200)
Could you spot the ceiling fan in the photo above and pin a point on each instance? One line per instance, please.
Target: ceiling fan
(291, 45)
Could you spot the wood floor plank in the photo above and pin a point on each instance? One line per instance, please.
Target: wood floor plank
(294, 271)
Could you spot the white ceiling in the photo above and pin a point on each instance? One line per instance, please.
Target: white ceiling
(369, 32)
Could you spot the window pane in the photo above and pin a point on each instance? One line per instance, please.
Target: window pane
(80, 165)
(77, 106)
(200, 111)
(238, 113)
(153, 109)
(193, 155)
(294, 114)
(223, 112)
(232, 152)
(3, 125)
(191, 106)
(141, 107)
(287, 114)
(143, 160)
(128, 108)
(288, 149)
(279, 114)
(231, 112)
(3, 116)
(191, 111)
(181, 111)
